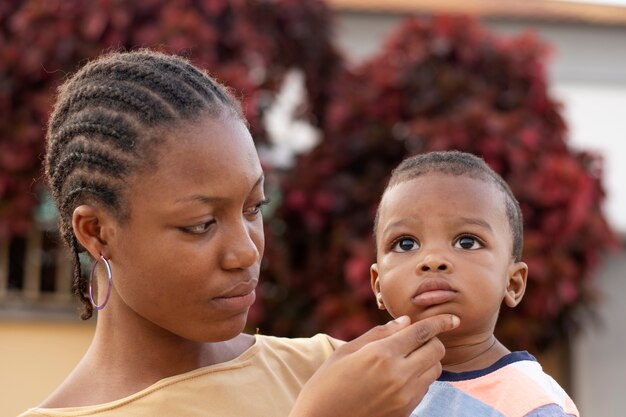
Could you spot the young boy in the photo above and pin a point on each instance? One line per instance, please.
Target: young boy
(449, 240)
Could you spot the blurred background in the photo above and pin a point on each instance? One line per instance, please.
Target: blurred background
(337, 93)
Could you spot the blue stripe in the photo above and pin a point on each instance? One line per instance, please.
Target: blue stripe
(550, 410)
(444, 400)
(501, 363)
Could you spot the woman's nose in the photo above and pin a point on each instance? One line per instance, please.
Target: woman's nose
(240, 250)
(434, 263)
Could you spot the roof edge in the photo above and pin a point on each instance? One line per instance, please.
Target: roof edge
(540, 10)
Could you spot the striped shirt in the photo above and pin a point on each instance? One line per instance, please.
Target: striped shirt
(514, 386)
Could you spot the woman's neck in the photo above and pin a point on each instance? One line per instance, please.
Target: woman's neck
(134, 342)
(130, 355)
(472, 355)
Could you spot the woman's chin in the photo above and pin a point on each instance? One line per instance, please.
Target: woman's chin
(220, 331)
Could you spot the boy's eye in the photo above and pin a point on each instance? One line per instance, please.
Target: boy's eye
(467, 242)
(405, 244)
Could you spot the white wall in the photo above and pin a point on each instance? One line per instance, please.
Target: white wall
(596, 115)
(598, 374)
(588, 75)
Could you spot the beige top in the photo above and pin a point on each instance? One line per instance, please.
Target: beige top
(263, 381)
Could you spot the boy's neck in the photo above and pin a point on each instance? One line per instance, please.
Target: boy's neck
(473, 356)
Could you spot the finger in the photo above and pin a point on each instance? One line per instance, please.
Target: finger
(418, 372)
(428, 355)
(407, 340)
(376, 333)
(424, 369)
(420, 382)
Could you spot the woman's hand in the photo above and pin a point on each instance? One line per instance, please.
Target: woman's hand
(384, 373)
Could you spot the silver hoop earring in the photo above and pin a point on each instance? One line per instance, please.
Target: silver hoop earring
(109, 276)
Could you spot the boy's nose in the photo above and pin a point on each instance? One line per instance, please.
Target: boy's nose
(434, 263)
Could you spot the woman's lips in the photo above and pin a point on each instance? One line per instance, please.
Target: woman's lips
(432, 292)
(237, 302)
(240, 297)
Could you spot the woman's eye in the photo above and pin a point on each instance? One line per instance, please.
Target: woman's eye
(256, 209)
(404, 245)
(467, 242)
(198, 229)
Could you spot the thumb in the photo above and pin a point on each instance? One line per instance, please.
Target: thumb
(377, 333)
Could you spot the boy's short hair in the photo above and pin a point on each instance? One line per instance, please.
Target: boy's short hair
(461, 163)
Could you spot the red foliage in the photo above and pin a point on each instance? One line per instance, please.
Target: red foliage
(439, 83)
(248, 45)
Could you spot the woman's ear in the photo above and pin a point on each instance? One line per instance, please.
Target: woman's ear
(89, 224)
(376, 286)
(516, 286)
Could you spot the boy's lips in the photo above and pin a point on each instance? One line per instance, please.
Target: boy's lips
(433, 291)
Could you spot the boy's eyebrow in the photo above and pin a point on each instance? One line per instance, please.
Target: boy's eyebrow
(477, 222)
(465, 220)
(210, 199)
(397, 223)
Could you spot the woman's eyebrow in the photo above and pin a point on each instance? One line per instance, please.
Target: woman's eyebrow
(199, 198)
(206, 199)
(259, 181)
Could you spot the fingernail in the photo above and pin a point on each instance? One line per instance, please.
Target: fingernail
(455, 320)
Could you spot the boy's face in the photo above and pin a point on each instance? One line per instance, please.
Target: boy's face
(444, 246)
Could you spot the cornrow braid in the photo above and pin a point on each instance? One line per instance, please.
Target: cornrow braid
(101, 131)
(78, 155)
(114, 97)
(113, 128)
(194, 78)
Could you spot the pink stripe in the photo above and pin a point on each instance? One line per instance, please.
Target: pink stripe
(509, 391)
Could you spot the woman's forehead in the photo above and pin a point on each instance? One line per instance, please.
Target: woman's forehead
(212, 156)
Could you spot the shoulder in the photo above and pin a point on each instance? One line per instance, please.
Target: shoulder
(30, 413)
(556, 401)
(309, 351)
(515, 385)
(320, 343)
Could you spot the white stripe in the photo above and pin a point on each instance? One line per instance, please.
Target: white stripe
(533, 370)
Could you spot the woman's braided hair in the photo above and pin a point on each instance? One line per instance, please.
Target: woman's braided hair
(103, 129)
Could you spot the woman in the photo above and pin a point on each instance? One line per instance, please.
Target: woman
(156, 176)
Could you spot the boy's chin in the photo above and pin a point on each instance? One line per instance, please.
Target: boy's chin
(430, 312)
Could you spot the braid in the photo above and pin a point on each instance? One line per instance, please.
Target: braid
(194, 77)
(111, 128)
(115, 97)
(101, 131)
(93, 159)
(80, 286)
(143, 75)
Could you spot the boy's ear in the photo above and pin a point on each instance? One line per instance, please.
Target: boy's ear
(91, 230)
(376, 286)
(518, 273)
